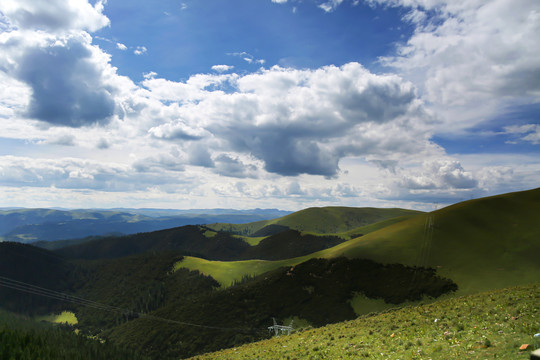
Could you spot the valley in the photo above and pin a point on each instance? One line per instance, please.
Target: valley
(165, 294)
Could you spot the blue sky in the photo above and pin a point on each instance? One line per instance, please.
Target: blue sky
(267, 103)
(185, 38)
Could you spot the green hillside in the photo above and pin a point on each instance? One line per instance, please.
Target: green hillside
(148, 299)
(326, 220)
(482, 326)
(317, 291)
(481, 244)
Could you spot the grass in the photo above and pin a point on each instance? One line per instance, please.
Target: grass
(209, 233)
(227, 272)
(253, 241)
(326, 220)
(481, 244)
(335, 219)
(65, 317)
(481, 326)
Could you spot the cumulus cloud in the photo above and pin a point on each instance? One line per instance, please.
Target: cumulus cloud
(62, 173)
(171, 162)
(305, 121)
(49, 51)
(199, 155)
(71, 173)
(176, 131)
(471, 57)
(440, 174)
(292, 121)
(233, 167)
(195, 88)
(222, 68)
(55, 15)
(63, 140)
(67, 83)
(103, 144)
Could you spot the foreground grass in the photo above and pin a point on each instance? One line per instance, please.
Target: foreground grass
(482, 326)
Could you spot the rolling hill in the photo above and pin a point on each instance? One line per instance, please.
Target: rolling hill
(481, 244)
(168, 305)
(326, 220)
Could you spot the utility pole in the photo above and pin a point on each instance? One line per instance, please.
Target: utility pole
(277, 329)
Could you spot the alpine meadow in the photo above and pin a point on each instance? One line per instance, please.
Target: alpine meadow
(269, 179)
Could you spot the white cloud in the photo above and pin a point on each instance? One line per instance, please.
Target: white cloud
(70, 79)
(140, 50)
(439, 174)
(227, 165)
(177, 130)
(222, 68)
(121, 46)
(279, 1)
(528, 132)
(297, 121)
(55, 15)
(473, 57)
(250, 59)
(341, 135)
(150, 75)
(330, 5)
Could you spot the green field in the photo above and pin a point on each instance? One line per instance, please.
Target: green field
(482, 326)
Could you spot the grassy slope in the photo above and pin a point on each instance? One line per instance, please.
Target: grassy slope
(330, 220)
(226, 272)
(347, 235)
(326, 220)
(480, 244)
(480, 326)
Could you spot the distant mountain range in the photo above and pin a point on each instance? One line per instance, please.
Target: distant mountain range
(31, 225)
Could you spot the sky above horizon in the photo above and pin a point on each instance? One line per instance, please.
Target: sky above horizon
(267, 103)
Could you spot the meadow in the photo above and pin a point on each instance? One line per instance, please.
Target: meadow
(487, 325)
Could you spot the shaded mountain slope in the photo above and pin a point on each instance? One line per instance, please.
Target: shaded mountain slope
(201, 242)
(22, 338)
(189, 239)
(287, 244)
(318, 291)
(32, 265)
